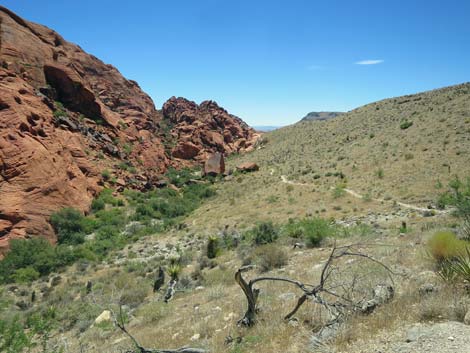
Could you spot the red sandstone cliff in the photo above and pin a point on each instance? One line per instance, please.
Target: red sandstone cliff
(65, 116)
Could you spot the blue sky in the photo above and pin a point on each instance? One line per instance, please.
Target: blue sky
(270, 62)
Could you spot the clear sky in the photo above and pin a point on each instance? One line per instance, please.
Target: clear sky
(270, 62)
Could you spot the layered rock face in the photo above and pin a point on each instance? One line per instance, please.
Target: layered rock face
(65, 117)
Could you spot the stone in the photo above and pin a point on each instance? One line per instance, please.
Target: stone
(195, 337)
(214, 165)
(248, 167)
(105, 316)
(185, 150)
(381, 294)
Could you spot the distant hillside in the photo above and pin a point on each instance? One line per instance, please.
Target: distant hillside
(321, 116)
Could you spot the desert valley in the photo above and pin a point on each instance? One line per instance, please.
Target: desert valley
(126, 227)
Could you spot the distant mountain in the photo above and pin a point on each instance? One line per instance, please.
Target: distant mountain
(321, 116)
(265, 128)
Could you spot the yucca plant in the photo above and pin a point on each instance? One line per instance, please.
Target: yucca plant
(460, 265)
(174, 271)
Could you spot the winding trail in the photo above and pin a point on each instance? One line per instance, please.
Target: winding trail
(359, 196)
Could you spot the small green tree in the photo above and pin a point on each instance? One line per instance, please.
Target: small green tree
(68, 226)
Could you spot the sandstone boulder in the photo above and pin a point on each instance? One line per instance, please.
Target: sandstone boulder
(248, 167)
(185, 150)
(214, 165)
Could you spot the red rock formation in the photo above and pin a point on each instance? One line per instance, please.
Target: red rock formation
(65, 116)
(207, 126)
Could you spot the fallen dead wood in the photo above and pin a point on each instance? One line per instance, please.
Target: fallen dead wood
(336, 298)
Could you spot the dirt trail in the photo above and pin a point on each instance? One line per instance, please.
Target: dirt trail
(360, 196)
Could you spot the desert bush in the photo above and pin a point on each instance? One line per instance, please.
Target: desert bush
(37, 254)
(212, 247)
(153, 312)
(180, 177)
(25, 275)
(263, 233)
(67, 224)
(406, 124)
(313, 230)
(270, 256)
(14, 338)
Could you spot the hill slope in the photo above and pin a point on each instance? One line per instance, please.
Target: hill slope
(401, 149)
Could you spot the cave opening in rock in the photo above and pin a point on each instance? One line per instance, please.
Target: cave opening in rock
(72, 93)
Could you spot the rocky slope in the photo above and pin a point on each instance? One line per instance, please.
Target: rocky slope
(70, 123)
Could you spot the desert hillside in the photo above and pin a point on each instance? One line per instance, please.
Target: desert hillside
(404, 149)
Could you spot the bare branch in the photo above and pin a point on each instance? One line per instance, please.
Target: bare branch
(343, 294)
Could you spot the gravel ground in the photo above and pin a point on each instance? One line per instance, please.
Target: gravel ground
(445, 337)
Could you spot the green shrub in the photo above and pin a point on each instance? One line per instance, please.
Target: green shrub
(106, 174)
(180, 177)
(212, 247)
(67, 224)
(13, 337)
(97, 205)
(25, 275)
(33, 254)
(459, 197)
(406, 124)
(313, 230)
(263, 233)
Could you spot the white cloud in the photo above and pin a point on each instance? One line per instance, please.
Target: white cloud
(369, 62)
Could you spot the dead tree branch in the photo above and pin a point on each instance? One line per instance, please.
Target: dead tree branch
(341, 296)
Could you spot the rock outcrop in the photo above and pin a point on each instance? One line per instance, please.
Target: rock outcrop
(201, 130)
(66, 117)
